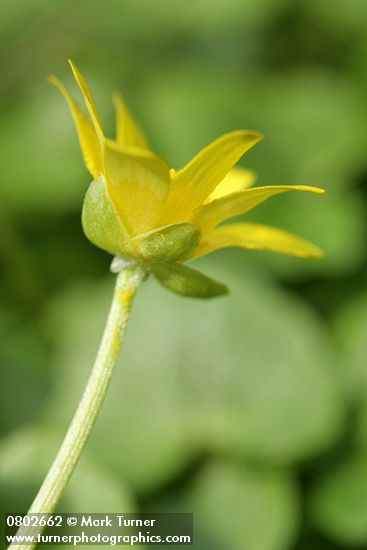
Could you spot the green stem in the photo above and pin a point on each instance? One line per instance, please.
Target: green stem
(91, 402)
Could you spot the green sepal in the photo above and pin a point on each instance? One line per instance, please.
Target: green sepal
(188, 282)
(101, 223)
(169, 244)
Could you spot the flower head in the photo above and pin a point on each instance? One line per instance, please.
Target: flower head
(138, 208)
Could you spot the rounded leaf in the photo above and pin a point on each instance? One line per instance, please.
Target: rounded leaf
(244, 508)
(188, 282)
(169, 244)
(339, 504)
(101, 223)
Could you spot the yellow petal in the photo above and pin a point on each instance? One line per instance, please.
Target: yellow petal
(88, 139)
(138, 184)
(254, 236)
(210, 215)
(88, 98)
(128, 130)
(192, 185)
(237, 179)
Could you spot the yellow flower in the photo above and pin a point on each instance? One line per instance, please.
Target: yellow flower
(138, 208)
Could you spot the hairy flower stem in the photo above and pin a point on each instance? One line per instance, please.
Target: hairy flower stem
(91, 402)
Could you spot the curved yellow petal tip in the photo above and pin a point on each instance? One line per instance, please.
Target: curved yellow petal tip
(71, 63)
(258, 136)
(314, 253)
(88, 98)
(76, 73)
(319, 255)
(310, 189)
(51, 79)
(74, 69)
(54, 81)
(319, 190)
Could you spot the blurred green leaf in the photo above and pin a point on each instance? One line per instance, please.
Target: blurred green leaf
(315, 124)
(336, 223)
(243, 508)
(335, 14)
(249, 374)
(196, 18)
(27, 453)
(351, 328)
(141, 431)
(39, 154)
(23, 359)
(12, 18)
(269, 387)
(339, 502)
(94, 488)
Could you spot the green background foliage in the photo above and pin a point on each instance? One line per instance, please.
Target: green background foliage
(251, 410)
